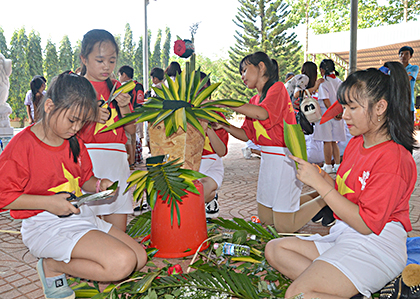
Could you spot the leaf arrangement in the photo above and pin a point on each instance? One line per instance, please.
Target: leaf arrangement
(249, 277)
(180, 103)
(167, 180)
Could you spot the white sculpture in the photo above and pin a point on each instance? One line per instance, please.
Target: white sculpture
(5, 109)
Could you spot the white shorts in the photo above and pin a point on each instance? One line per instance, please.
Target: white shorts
(212, 166)
(109, 161)
(369, 261)
(48, 236)
(278, 187)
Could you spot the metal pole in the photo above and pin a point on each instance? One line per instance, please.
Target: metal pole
(353, 36)
(145, 50)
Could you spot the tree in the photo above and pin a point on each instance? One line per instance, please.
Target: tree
(166, 49)
(51, 61)
(65, 58)
(263, 25)
(19, 79)
(34, 55)
(3, 44)
(402, 10)
(127, 49)
(76, 55)
(138, 62)
(155, 61)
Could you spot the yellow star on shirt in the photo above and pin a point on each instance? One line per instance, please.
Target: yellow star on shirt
(109, 122)
(342, 187)
(260, 130)
(207, 145)
(71, 185)
(291, 110)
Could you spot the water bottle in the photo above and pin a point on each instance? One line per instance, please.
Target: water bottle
(233, 249)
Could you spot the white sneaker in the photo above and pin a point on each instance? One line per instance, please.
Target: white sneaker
(246, 151)
(327, 168)
(212, 208)
(335, 168)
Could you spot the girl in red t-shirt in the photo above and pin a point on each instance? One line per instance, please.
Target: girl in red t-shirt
(366, 247)
(39, 169)
(98, 54)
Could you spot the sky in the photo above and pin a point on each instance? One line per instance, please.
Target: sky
(53, 19)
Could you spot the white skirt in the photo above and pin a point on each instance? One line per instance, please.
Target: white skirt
(109, 161)
(48, 236)
(332, 130)
(212, 166)
(369, 261)
(278, 187)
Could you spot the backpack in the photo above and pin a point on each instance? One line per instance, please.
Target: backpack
(310, 108)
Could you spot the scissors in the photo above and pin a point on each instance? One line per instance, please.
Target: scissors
(112, 97)
(77, 201)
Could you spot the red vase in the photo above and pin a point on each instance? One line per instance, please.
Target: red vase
(176, 241)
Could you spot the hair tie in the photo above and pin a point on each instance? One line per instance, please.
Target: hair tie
(384, 70)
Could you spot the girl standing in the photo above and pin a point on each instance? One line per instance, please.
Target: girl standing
(333, 130)
(366, 248)
(99, 55)
(33, 97)
(37, 165)
(278, 193)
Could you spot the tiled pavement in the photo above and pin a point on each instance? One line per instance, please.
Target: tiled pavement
(18, 277)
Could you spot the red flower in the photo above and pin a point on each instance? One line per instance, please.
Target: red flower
(179, 47)
(176, 269)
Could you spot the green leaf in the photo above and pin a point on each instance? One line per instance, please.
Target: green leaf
(163, 114)
(231, 103)
(204, 94)
(295, 140)
(192, 119)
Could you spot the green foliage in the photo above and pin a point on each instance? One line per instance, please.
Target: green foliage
(65, 59)
(138, 62)
(155, 59)
(166, 49)
(127, 49)
(51, 61)
(19, 79)
(76, 55)
(34, 55)
(263, 27)
(3, 44)
(212, 276)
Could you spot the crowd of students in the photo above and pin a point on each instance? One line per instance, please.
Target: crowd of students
(369, 198)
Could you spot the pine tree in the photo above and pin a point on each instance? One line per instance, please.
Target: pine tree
(127, 49)
(19, 79)
(166, 49)
(264, 24)
(138, 62)
(155, 60)
(34, 55)
(76, 55)
(3, 44)
(51, 61)
(65, 58)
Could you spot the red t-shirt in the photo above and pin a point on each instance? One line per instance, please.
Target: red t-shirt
(91, 133)
(269, 132)
(29, 166)
(223, 136)
(379, 180)
(137, 95)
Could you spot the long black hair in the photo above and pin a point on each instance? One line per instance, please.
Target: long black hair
(36, 84)
(309, 69)
(70, 91)
(90, 39)
(271, 66)
(371, 85)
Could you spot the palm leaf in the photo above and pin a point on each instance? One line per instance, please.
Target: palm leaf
(192, 119)
(295, 140)
(204, 94)
(139, 225)
(163, 114)
(173, 88)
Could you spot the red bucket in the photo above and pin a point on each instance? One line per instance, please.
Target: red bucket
(176, 241)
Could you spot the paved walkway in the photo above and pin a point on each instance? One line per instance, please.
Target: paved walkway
(18, 277)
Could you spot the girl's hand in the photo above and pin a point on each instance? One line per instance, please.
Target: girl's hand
(103, 115)
(105, 183)
(307, 173)
(217, 126)
(59, 205)
(123, 100)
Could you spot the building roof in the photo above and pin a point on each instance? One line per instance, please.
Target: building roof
(375, 45)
